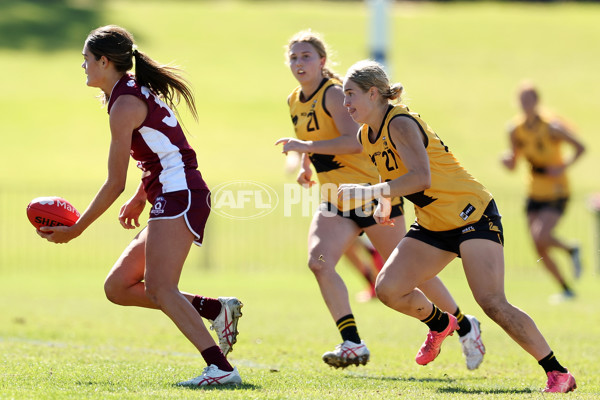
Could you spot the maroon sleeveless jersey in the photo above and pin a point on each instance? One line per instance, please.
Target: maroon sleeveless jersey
(159, 144)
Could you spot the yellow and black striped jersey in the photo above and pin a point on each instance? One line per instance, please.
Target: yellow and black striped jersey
(454, 199)
(542, 149)
(313, 122)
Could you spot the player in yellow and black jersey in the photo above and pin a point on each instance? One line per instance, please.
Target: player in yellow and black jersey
(326, 138)
(539, 138)
(456, 216)
(454, 198)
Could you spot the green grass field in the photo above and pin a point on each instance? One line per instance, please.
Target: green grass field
(460, 63)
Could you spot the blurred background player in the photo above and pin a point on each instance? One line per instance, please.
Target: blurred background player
(361, 254)
(326, 138)
(367, 260)
(538, 138)
(456, 217)
(143, 125)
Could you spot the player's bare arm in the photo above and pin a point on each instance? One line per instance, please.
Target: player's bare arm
(509, 158)
(346, 143)
(130, 211)
(408, 139)
(562, 133)
(127, 114)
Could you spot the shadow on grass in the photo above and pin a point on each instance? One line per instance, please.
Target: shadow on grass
(485, 390)
(243, 386)
(47, 25)
(448, 381)
(404, 379)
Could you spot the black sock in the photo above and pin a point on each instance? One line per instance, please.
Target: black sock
(213, 355)
(437, 320)
(347, 327)
(207, 307)
(550, 363)
(566, 288)
(464, 325)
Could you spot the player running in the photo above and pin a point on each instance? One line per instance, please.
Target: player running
(143, 124)
(456, 216)
(538, 138)
(326, 138)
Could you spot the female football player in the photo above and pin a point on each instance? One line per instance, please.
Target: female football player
(143, 124)
(360, 253)
(539, 138)
(326, 138)
(456, 216)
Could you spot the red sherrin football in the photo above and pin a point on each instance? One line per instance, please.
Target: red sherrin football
(51, 211)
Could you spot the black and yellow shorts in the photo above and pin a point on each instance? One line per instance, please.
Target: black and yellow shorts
(488, 227)
(362, 216)
(558, 205)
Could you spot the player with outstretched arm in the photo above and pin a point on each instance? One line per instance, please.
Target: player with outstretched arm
(456, 216)
(143, 125)
(326, 138)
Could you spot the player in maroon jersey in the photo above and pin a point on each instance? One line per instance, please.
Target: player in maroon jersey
(143, 125)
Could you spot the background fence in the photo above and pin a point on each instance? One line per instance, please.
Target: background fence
(274, 241)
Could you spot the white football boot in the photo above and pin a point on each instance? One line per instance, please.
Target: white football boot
(346, 354)
(472, 346)
(225, 325)
(212, 375)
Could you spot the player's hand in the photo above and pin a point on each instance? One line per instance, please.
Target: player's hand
(304, 177)
(130, 213)
(555, 170)
(291, 144)
(509, 161)
(349, 191)
(58, 234)
(383, 211)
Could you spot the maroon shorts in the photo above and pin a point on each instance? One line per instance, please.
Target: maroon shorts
(192, 204)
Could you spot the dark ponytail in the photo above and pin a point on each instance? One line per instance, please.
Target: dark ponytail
(116, 44)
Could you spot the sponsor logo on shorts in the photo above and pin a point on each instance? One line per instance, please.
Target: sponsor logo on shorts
(159, 206)
(468, 229)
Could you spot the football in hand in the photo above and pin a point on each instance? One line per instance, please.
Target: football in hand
(51, 211)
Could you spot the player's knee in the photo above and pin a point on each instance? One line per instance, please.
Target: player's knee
(382, 293)
(113, 291)
(492, 305)
(154, 289)
(317, 265)
(542, 242)
(385, 291)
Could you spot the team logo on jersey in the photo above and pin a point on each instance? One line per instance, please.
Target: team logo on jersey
(466, 213)
(159, 206)
(385, 143)
(131, 83)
